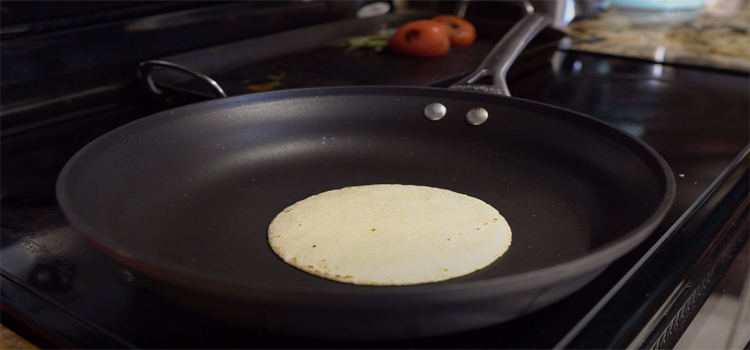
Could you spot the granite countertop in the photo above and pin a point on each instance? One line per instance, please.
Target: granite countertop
(717, 36)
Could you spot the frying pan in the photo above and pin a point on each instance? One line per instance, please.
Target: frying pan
(183, 198)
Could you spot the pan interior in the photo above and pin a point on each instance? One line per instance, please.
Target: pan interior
(196, 188)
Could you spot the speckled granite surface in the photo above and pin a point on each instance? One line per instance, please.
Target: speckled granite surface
(716, 36)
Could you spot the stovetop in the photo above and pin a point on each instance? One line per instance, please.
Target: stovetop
(62, 293)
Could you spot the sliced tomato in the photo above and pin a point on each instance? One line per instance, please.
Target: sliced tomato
(421, 38)
(460, 31)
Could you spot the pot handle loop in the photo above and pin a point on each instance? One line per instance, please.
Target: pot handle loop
(502, 56)
(145, 68)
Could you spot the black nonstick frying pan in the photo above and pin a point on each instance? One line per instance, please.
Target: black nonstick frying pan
(184, 198)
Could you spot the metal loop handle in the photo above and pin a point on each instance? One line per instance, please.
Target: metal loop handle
(145, 68)
(502, 56)
(524, 5)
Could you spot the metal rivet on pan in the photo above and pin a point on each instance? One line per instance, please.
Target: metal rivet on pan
(477, 115)
(434, 111)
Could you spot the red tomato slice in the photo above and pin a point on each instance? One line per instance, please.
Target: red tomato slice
(421, 38)
(461, 32)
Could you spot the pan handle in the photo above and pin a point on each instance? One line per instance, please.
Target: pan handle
(145, 68)
(502, 56)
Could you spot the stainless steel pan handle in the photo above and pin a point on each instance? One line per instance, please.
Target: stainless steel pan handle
(502, 56)
(145, 68)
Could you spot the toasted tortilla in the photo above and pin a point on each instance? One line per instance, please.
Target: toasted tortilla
(389, 235)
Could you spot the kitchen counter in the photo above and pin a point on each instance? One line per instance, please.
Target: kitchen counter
(717, 36)
(11, 340)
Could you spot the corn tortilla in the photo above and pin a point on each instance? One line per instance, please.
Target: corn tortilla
(389, 234)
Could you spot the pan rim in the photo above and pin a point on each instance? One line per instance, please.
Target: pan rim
(599, 257)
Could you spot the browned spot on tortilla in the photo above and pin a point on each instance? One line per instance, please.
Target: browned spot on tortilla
(477, 229)
(310, 266)
(449, 239)
(460, 233)
(445, 269)
(373, 229)
(485, 223)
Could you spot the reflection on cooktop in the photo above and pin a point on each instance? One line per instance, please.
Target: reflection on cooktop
(634, 99)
